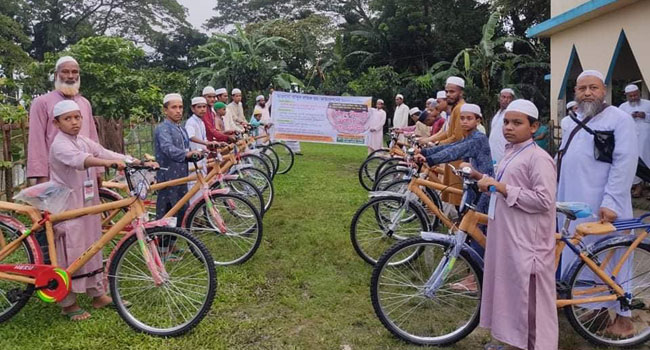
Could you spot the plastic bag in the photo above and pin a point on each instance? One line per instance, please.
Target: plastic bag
(48, 196)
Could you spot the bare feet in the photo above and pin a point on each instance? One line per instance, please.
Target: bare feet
(621, 328)
(75, 313)
(102, 301)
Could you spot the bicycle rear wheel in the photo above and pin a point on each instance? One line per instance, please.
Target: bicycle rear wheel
(243, 228)
(285, 155)
(246, 189)
(14, 295)
(258, 163)
(397, 291)
(591, 320)
(262, 182)
(367, 171)
(186, 294)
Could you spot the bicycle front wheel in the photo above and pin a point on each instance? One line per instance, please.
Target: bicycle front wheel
(14, 295)
(440, 317)
(262, 182)
(285, 157)
(242, 224)
(186, 294)
(592, 320)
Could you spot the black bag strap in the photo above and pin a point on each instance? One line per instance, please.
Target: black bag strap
(573, 133)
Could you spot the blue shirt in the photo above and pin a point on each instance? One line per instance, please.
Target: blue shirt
(171, 144)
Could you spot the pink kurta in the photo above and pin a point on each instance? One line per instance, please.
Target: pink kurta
(519, 257)
(73, 237)
(42, 130)
(376, 120)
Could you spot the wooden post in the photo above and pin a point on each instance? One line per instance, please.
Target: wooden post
(6, 154)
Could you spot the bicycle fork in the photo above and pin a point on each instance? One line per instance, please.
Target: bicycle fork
(445, 265)
(149, 249)
(212, 211)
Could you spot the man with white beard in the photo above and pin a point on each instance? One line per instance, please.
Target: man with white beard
(603, 186)
(41, 115)
(639, 109)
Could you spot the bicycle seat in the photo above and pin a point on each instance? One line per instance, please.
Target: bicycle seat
(573, 210)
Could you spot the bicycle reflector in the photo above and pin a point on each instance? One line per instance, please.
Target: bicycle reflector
(53, 284)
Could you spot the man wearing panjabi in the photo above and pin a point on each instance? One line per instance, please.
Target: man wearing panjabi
(497, 140)
(603, 186)
(401, 115)
(235, 118)
(455, 99)
(41, 119)
(639, 109)
(375, 126)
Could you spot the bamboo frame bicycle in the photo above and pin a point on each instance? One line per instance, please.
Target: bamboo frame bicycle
(153, 267)
(419, 286)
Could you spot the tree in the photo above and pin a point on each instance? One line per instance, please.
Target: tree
(174, 51)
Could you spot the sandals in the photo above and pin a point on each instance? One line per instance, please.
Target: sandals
(79, 312)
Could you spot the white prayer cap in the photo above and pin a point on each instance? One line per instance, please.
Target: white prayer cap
(431, 100)
(235, 91)
(472, 108)
(199, 100)
(221, 91)
(63, 60)
(524, 106)
(65, 106)
(414, 110)
(571, 104)
(508, 91)
(172, 97)
(441, 94)
(591, 73)
(259, 98)
(379, 100)
(208, 90)
(631, 88)
(458, 81)
(399, 96)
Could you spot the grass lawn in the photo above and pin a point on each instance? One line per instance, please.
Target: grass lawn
(304, 289)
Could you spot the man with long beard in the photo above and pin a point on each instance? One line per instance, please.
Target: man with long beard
(41, 118)
(639, 109)
(605, 187)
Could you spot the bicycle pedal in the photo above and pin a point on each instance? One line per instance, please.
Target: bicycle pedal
(637, 304)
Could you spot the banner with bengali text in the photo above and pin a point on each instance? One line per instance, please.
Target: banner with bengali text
(318, 118)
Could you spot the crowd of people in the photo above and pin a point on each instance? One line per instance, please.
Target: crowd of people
(519, 290)
(64, 149)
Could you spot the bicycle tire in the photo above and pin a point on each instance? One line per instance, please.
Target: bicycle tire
(285, 156)
(591, 328)
(378, 152)
(24, 254)
(367, 171)
(273, 156)
(388, 177)
(434, 221)
(262, 182)
(430, 314)
(246, 189)
(387, 162)
(139, 314)
(384, 236)
(245, 218)
(258, 163)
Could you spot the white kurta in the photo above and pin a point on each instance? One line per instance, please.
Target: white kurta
(642, 129)
(234, 116)
(444, 115)
(497, 140)
(374, 128)
(401, 118)
(599, 184)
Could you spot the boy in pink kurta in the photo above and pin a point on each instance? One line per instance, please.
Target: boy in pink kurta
(73, 160)
(518, 299)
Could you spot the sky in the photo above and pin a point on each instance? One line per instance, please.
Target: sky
(199, 11)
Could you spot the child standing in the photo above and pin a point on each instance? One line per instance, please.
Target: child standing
(518, 301)
(73, 163)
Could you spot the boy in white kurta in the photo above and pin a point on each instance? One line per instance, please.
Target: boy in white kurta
(73, 163)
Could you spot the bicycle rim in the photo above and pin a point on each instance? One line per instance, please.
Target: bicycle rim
(285, 157)
(22, 255)
(397, 292)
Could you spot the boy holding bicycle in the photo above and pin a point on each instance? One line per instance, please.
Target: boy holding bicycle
(518, 299)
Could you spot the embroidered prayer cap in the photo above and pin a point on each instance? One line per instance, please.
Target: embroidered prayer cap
(458, 81)
(414, 110)
(172, 97)
(508, 91)
(423, 116)
(208, 90)
(221, 91)
(257, 111)
(591, 73)
(631, 88)
(379, 100)
(199, 100)
(219, 105)
(65, 106)
(472, 108)
(399, 96)
(235, 91)
(524, 106)
(441, 94)
(259, 98)
(571, 104)
(63, 60)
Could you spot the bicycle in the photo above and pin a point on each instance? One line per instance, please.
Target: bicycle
(153, 266)
(416, 277)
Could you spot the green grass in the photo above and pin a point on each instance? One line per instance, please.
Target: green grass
(304, 289)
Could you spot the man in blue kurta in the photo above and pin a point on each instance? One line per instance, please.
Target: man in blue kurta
(172, 149)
